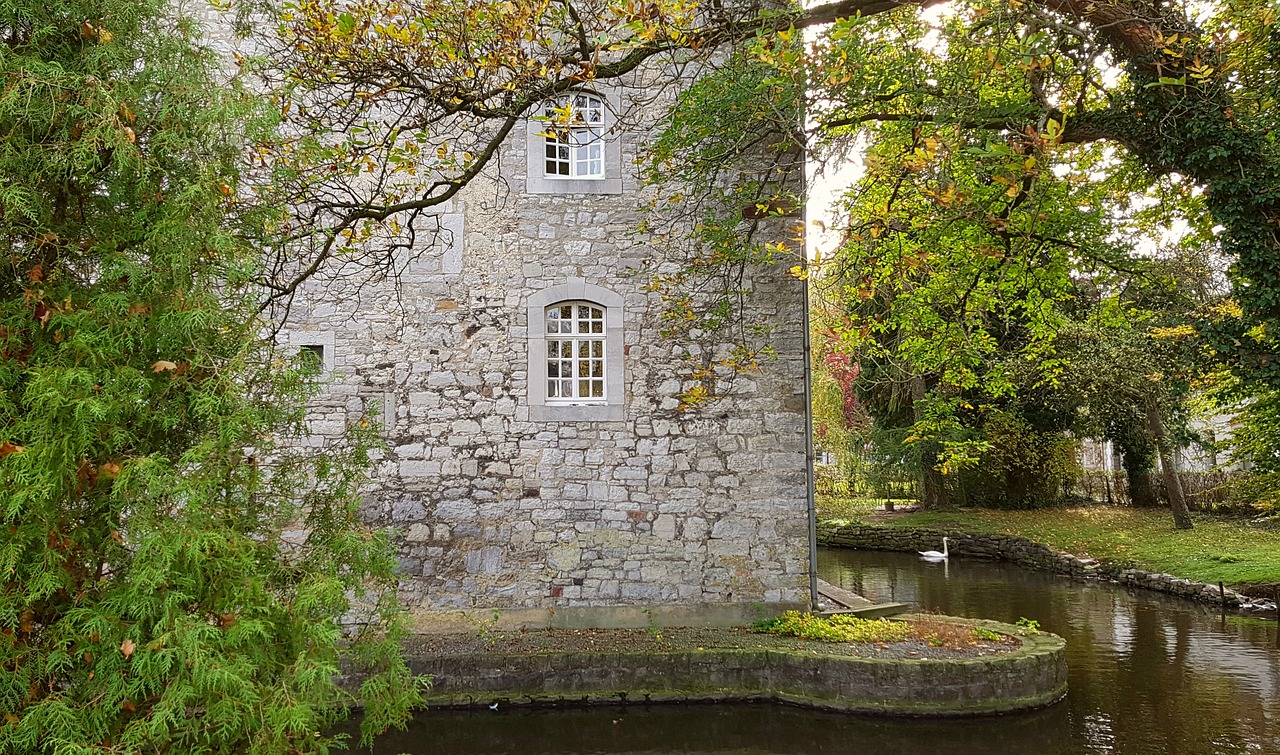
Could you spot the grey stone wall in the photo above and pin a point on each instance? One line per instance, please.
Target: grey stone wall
(498, 509)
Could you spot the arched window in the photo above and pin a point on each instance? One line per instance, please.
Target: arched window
(575, 353)
(575, 338)
(574, 139)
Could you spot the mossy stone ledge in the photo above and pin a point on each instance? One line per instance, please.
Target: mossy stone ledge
(1031, 676)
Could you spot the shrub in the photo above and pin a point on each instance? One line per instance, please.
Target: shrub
(837, 628)
(1022, 468)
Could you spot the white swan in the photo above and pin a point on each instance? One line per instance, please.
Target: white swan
(934, 555)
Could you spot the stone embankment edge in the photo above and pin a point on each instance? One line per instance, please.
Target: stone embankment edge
(1030, 554)
(1030, 677)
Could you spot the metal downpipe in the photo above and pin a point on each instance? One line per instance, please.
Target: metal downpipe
(808, 450)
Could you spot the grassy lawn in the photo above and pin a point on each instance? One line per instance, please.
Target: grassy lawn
(831, 507)
(1226, 550)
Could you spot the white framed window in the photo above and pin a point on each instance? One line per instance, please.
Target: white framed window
(574, 139)
(575, 338)
(573, 145)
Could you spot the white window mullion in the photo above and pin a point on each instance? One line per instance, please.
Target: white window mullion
(575, 149)
(575, 352)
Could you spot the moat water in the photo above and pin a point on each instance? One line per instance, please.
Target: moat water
(1149, 675)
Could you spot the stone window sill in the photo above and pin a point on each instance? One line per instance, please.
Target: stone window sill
(577, 413)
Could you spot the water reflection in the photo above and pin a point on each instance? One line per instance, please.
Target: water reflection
(714, 730)
(1149, 675)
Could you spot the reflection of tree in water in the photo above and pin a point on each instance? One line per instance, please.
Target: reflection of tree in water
(716, 730)
(1148, 673)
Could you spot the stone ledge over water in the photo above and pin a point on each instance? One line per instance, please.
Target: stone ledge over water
(1031, 676)
(1030, 554)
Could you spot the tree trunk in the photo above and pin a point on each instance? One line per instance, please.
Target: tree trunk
(1137, 458)
(1169, 470)
(1142, 494)
(933, 488)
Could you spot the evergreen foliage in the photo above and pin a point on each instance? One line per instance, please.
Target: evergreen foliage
(171, 578)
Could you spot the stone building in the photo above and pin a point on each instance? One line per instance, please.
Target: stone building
(537, 460)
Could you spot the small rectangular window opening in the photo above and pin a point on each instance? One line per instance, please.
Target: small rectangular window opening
(312, 355)
(575, 149)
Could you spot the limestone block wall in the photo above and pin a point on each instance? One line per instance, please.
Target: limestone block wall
(497, 506)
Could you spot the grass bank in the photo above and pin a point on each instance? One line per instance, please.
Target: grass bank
(1216, 550)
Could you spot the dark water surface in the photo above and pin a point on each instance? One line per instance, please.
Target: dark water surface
(1149, 675)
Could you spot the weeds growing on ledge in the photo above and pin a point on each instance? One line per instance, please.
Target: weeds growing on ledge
(847, 628)
(838, 628)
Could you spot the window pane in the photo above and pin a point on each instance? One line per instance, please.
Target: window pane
(575, 351)
(575, 147)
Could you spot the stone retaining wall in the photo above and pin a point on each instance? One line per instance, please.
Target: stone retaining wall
(1031, 677)
(1030, 554)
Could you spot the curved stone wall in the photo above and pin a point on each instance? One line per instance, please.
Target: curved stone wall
(1032, 676)
(1030, 554)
